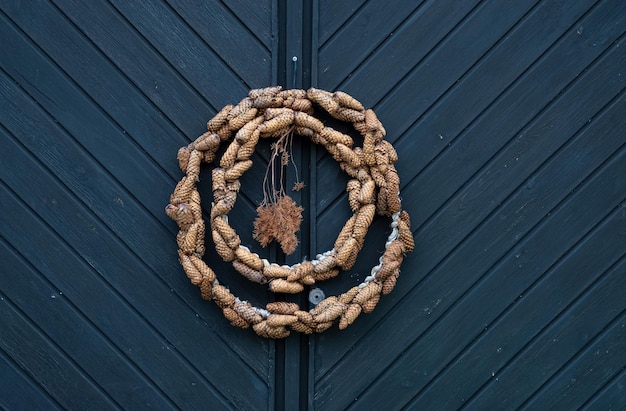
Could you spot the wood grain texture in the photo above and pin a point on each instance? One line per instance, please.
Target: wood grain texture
(508, 120)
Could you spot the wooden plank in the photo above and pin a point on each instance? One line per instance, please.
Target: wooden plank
(122, 46)
(235, 43)
(134, 113)
(437, 45)
(333, 15)
(464, 45)
(515, 107)
(91, 290)
(480, 89)
(52, 311)
(257, 16)
(92, 128)
(112, 202)
(612, 395)
(357, 38)
(591, 368)
(97, 245)
(47, 363)
(19, 390)
(463, 268)
(508, 361)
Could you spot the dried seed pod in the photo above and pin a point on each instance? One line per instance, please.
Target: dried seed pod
(345, 252)
(228, 234)
(252, 275)
(347, 114)
(348, 155)
(267, 101)
(206, 271)
(349, 316)
(190, 269)
(279, 285)
(304, 120)
(222, 296)
(190, 240)
(223, 250)
(390, 282)
(247, 312)
(345, 233)
(336, 137)
(237, 170)
(387, 269)
(406, 236)
(303, 105)
(366, 194)
(372, 122)
(282, 307)
(308, 280)
(276, 271)
(183, 158)
(206, 289)
(230, 155)
(220, 119)
(301, 327)
(370, 304)
(325, 275)
(304, 317)
(370, 290)
(266, 91)
(324, 265)
(304, 269)
(234, 318)
(276, 320)
(280, 122)
(248, 258)
(348, 101)
(207, 141)
(331, 313)
(349, 295)
(323, 305)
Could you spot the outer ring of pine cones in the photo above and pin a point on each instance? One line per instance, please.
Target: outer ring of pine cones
(373, 189)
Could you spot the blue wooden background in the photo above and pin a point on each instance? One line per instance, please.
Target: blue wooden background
(510, 121)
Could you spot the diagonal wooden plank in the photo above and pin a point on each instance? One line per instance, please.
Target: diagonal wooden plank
(257, 16)
(333, 15)
(51, 310)
(431, 243)
(611, 396)
(459, 108)
(527, 321)
(19, 390)
(356, 39)
(240, 46)
(46, 362)
(593, 367)
(102, 249)
(548, 351)
(418, 354)
(465, 45)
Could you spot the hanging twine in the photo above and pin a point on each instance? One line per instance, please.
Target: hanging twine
(374, 188)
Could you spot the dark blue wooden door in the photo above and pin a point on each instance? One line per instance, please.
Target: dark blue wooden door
(508, 117)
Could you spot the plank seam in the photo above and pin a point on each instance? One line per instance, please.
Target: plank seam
(61, 351)
(131, 252)
(612, 323)
(489, 272)
(18, 369)
(493, 214)
(70, 304)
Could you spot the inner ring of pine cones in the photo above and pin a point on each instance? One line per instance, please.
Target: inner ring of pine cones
(372, 189)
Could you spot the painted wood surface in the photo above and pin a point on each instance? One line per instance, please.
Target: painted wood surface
(508, 117)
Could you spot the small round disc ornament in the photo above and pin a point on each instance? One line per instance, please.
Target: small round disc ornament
(374, 188)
